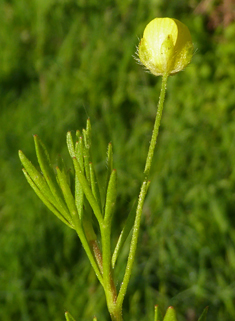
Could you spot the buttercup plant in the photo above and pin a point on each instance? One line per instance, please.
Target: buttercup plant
(165, 49)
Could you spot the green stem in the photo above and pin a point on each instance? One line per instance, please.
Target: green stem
(89, 253)
(156, 126)
(108, 282)
(143, 191)
(106, 259)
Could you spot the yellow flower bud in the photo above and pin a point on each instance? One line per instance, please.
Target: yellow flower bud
(166, 46)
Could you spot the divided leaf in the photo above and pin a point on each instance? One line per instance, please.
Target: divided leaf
(42, 189)
(48, 173)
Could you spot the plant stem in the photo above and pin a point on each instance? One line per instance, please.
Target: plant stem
(143, 191)
(109, 286)
(156, 127)
(89, 253)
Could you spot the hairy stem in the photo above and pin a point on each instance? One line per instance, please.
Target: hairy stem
(143, 191)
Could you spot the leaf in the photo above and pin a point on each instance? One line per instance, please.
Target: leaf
(109, 163)
(68, 317)
(86, 153)
(79, 195)
(77, 152)
(170, 315)
(70, 144)
(49, 175)
(46, 201)
(36, 177)
(87, 134)
(204, 314)
(86, 166)
(69, 199)
(41, 188)
(124, 234)
(79, 148)
(156, 313)
(111, 197)
(110, 158)
(87, 191)
(94, 185)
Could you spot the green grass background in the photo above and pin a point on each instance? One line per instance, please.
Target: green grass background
(62, 61)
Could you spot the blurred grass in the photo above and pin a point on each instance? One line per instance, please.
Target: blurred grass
(64, 61)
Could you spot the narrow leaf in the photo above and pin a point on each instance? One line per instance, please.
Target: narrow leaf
(157, 313)
(123, 236)
(79, 151)
(39, 185)
(87, 134)
(86, 156)
(204, 314)
(109, 162)
(87, 191)
(36, 177)
(88, 131)
(78, 134)
(94, 185)
(79, 195)
(47, 202)
(88, 229)
(70, 144)
(87, 167)
(170, 315)
(49, 175)
(156, 309)
(68, 317)
(111, 197)
(87, 143)
(110, 158)
(69, 199)
(67, 173)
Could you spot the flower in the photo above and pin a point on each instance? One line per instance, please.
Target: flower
(166, 46)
